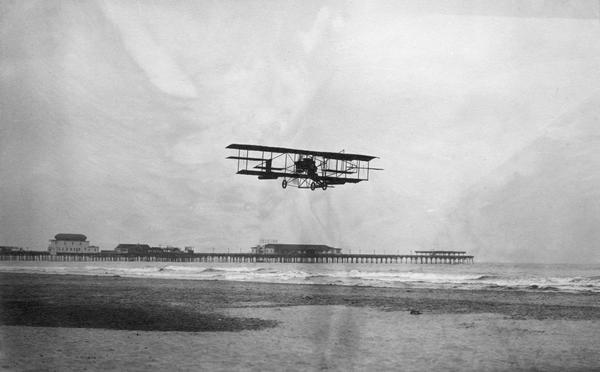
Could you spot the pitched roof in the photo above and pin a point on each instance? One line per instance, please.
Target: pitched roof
(71, 237)
(290, 247)
(146, 246)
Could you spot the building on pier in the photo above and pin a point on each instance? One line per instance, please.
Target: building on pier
(145, 249)
(294, 249)
(125, 248)
(442, 253)
(71, 243)
(169, 249)
(10, 249)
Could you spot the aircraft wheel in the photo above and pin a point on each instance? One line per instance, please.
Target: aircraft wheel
(313, 185)
(324, 186)
(284, 184)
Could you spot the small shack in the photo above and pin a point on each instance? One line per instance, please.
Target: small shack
(294, 249)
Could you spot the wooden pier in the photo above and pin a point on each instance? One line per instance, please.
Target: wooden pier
(420, 257)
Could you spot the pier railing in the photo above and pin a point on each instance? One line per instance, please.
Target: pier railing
(241, 258)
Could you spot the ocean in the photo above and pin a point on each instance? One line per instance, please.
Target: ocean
(495, 276)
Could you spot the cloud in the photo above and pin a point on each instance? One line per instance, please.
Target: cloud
(162, 70)
(541, 205)
(320, 26)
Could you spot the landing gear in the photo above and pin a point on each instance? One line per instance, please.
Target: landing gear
(313, 186)
(324, 186)
(284, 184)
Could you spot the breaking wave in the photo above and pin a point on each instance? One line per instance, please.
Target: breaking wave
(483, 276)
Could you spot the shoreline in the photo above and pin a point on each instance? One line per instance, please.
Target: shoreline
(584, 281)
(488, 288)
(214, 294)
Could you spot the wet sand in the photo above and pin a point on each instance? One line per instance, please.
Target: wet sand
(55, 322)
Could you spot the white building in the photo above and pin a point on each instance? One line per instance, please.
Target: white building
(294, 249)
(71, 243)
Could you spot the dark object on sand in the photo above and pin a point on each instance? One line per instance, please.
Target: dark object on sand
(128, 316)
(415, 312)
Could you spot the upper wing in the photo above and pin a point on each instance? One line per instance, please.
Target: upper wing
(283, 150)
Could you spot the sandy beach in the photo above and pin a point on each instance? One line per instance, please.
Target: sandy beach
(74, 323)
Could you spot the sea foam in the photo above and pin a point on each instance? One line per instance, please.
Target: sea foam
(483, 276)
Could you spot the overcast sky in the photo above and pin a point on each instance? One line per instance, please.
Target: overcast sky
(115, 116)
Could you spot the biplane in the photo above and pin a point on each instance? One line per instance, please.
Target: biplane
(303, 169)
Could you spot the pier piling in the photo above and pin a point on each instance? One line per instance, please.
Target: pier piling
(420, 257)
